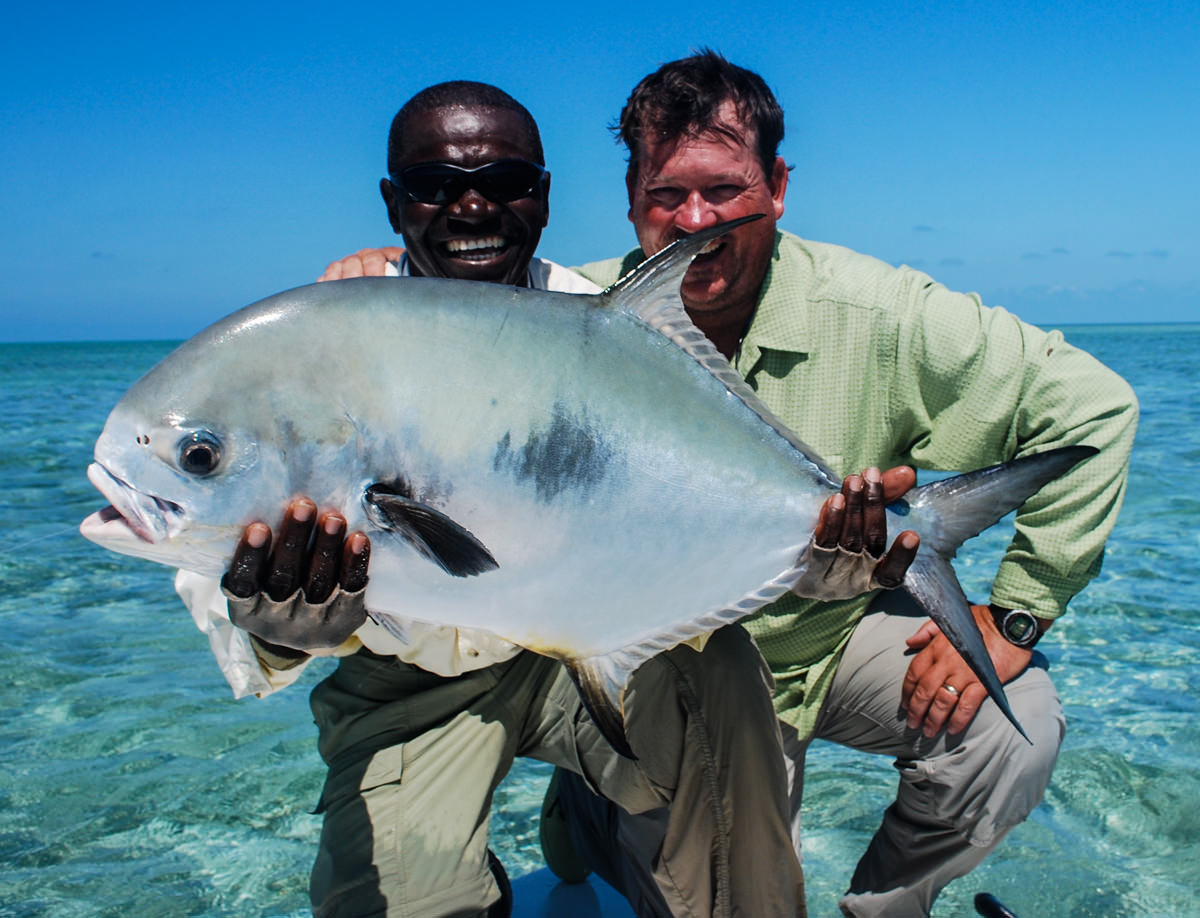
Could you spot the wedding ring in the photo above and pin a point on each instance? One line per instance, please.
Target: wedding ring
(950, 688)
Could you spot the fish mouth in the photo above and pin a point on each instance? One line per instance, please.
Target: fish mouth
(131, 513)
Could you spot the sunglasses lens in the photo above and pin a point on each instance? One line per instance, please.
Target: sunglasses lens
(507, 181)
(441, 183)
(433, 183)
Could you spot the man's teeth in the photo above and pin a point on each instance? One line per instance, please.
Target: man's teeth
(455, 246)
(711, 246)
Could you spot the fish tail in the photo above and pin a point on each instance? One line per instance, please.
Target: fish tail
(958, 509)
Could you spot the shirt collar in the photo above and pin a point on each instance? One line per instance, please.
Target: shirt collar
(780, 322)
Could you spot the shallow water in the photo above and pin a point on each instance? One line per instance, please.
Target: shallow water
(132, 784)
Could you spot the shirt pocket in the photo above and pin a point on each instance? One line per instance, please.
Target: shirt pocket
(386, 766)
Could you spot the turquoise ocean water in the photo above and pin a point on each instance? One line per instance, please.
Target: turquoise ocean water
(132, 784)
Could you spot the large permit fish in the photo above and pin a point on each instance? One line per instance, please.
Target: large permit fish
(585, 476)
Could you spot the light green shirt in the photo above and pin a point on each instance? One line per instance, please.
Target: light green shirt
(875, 365)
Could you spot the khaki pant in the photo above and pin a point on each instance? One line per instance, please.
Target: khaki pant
(415, 758)
(957, 796)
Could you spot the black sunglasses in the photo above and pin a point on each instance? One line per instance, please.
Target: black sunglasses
(442, 183)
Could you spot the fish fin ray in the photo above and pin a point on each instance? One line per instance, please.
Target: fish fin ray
(431, 533)
(601, 686)
(601, 680)
(650, 293)
(628, 658)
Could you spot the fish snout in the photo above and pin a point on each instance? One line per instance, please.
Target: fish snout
(145, 516)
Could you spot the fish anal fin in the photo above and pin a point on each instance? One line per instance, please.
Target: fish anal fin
(431, 533)
(601, 697)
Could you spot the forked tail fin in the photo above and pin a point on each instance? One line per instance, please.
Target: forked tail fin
(949, 512)
(955, 510)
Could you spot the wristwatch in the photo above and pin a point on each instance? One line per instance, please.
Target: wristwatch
(1019, 626)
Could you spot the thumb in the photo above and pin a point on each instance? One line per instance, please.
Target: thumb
(926, 633)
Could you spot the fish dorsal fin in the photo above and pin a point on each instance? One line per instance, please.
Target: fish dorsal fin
(430, 532)
(650, 293)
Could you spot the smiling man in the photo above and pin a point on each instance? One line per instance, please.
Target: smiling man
(876, 365)
(468, 190)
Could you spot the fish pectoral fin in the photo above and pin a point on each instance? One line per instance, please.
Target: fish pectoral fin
(602, 697)
(433, 534)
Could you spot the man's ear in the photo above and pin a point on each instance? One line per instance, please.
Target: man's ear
(391, 198)
(630, 185)
(778, 180)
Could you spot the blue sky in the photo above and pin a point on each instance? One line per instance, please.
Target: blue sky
(162, 168)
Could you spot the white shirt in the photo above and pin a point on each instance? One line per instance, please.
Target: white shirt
(439, 649)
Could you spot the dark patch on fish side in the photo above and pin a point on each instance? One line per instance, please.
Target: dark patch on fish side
(566, 455)
(430, 532)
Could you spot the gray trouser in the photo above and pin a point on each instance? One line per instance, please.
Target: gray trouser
(958, 795)
(414, 759)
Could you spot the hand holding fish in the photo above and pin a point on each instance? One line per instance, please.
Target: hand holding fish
(940, 689)
(846, 555)
(295, 599)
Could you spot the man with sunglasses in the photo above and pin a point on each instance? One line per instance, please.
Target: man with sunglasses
(417, 740)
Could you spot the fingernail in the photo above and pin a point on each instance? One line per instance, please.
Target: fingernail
(855, 483)
(910, 540)
(334, 524)
(257, 534)
(357, 543)
(873, 475)
(302, 510)
(838, 501)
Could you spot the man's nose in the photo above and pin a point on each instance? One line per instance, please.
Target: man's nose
(695, 214)
(471, 205)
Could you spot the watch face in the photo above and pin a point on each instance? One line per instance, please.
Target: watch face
(1020, 627)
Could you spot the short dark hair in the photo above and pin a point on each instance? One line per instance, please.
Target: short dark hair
(459, 94)
(683, 99)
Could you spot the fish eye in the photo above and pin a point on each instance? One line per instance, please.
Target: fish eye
(199, 453)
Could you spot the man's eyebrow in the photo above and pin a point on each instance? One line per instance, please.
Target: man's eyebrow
(725, 178)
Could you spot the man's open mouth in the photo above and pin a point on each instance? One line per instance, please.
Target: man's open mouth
(710, 251)
(480, 248)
